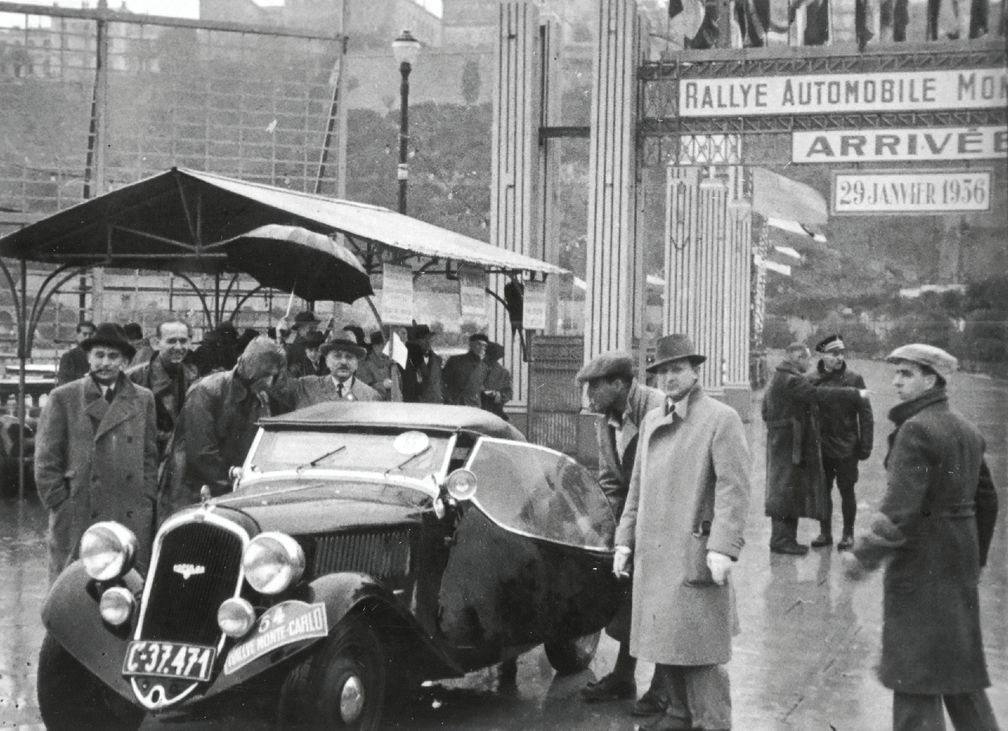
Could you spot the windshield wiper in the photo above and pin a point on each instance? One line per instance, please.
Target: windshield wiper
(315, 461)
(408, 460)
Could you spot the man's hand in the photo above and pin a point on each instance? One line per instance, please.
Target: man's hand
(720, 566)
(620, 560)
(864, 393)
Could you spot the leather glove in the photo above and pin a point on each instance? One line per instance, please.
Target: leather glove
(620, 561)
(720, 566)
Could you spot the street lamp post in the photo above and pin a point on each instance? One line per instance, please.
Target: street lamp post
(405, 48)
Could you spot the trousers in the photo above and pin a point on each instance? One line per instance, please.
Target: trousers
(968, 711)
(699, 695)
(844, 472)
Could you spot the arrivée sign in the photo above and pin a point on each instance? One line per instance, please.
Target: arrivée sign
(915, 144)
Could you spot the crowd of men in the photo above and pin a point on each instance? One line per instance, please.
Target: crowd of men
(133, 444)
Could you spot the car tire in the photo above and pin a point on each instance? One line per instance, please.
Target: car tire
(573, 655)
(346, 680)
(71, 697)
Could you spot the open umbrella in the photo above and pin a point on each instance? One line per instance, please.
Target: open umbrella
(294, 259)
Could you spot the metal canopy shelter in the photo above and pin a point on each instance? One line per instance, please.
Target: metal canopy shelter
(179, 220)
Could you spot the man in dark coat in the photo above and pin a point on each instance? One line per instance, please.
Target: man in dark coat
(311, 363)
(795, 483)
(218, 423)
(74, 363)
(847, 432)
(168, 374)
(464, 374)
(375, 368)
(421, 382)
(96, 452)
(621, 403)
(304, 323)
(935, 525)
(497, 384)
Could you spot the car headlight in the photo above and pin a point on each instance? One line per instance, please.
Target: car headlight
(235, 617)
(273, 562)
(116, 605)
(461, 484)
(107, 550)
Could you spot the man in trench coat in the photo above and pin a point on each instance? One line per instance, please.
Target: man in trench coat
(682, 524)
(96, 452)
(621, 404)
(935, 525)
(795, 481)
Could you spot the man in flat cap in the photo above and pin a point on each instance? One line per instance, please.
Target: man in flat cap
(96, 452)
(464, 374)
(342, 356)
(846, 431)
(621, 403)
(934, 524)
(795, 482)
(681, 529)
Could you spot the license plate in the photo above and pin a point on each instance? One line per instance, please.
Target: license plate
(169, 660)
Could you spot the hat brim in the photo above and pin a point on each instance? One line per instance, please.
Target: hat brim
(123, 345)
(694, 359)
(357, 350)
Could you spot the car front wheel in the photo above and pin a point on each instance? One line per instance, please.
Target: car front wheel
(346, 679)
(574, 655)
(70, 696)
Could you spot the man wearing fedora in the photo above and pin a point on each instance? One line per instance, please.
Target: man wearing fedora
(342, 356)
(376, 368)
(681, 530)
(464, 374)
(934, 526)
(422, 382)
(847, 431)
(621, 403)
(96, 452)
(795, 481)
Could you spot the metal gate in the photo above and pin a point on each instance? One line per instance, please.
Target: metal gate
(554, 400)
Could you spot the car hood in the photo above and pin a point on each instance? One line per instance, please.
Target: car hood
(319, 506)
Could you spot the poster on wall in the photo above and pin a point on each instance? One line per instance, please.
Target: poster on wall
(397, 295)
(534, 315)
(472, 294)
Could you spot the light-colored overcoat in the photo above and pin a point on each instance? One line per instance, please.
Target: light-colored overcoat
(311, 390)
(689, 493)
(96, 461)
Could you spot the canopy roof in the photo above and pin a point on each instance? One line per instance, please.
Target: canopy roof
(176, 220)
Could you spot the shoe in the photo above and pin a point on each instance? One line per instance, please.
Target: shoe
(823, 539)
(846, 542)
(650, 704)
(610, 688)
(791, 549)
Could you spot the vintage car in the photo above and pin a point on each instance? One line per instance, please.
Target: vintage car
(364, 549)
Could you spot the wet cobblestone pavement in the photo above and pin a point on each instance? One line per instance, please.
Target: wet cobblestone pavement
(804, 660)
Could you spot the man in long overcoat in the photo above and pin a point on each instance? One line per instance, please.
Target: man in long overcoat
(464, 374)
(682, 524)
(421, 381)
(168, 374)
(96, 452)
(218, 423)
(375, 368)
(795, 482)
(621, 403)
(935, 525)
(497, 385)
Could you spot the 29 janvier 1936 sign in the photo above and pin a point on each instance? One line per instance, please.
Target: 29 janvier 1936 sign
(888, 91)
(884, 192)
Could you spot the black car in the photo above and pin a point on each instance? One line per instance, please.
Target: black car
(364, 549)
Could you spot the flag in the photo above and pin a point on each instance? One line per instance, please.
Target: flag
(772, 266)
(794, 227)
(395, 348)
(788, 251)
(780, 197)
(685, 19)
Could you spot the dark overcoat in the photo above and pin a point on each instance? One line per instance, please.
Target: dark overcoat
(463, 378)
(422, 382)
(795, 483)
(689, 493)
(847, 430)
(498, 379)
(73, 364)
(935, 523)
(169, 391)
(97, 461)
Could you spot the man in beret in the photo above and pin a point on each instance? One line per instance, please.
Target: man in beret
(621, 403)
(422, 378)
(682, 530)
(464, 374)
(846, 431)
(934, 525)
(96, 452)
(342, 356)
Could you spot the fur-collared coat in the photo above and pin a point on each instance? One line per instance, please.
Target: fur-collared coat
(689, 493)
(935, 523)
(97, 461)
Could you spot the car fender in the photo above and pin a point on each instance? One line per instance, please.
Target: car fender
(339, 594)
(70, 614)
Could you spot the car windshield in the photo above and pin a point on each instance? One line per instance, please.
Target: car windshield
(542, 493)
(402, 452)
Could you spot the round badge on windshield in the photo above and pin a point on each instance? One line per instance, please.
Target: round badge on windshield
(411, 442)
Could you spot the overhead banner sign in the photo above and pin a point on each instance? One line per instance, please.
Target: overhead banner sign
(910, 191)
(890, 145)
(397, 295)
(534, 312)
(888, 91)
(472, 293)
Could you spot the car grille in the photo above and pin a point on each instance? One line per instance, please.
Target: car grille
(198, 567)
(382, 554)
